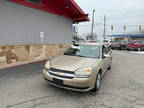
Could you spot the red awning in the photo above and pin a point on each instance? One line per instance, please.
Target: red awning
(66, 8)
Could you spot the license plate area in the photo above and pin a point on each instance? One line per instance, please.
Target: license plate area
(58, 81)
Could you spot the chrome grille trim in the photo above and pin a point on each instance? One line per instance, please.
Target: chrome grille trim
(61, 73)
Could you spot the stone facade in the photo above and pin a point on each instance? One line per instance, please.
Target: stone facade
(28, 53)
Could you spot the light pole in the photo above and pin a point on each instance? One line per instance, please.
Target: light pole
(104, 27)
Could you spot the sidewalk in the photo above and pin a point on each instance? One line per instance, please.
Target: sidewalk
(22, 63)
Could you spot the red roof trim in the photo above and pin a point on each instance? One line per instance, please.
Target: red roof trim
(82, 19)
(74, 3)
(59, 7)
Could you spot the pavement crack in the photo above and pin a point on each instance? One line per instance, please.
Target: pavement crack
(31, 100)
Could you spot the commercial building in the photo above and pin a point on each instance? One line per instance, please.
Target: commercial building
(130, 36)
(36, 29)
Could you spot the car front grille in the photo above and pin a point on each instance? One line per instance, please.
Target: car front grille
(61, 73)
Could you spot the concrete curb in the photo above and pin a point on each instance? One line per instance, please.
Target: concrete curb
(21, 64)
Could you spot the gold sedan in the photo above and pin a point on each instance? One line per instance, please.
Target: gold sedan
(80, 68)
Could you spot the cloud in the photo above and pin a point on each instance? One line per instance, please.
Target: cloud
(117, 11)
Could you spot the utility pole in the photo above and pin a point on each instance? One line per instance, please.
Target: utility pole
(104, 27)
(92, 24)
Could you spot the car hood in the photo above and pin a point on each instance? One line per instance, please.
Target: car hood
(72, 63)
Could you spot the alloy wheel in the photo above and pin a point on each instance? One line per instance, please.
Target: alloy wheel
(98, 82)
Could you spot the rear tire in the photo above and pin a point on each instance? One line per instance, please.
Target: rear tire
(97, 82)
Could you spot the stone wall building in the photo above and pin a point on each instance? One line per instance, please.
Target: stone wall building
(36, 29)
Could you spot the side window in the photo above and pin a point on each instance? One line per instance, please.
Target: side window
(70, 51)
(107, 49)
(104, 51)
(140, 42)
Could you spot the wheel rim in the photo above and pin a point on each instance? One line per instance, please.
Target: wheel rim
(139, 49)
(98, 81)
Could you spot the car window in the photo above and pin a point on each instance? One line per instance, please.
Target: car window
(89, 51)
(125, 42)
(111, 41)
(105, 41)
(132, 41)
(104, 51)
(119, 41)
(140, 42)
(107, 49)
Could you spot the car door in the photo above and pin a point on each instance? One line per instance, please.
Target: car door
(104, 59)
(109, 58)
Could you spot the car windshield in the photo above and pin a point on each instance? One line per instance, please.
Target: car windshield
(132, 41)
(119, 41)
(123, 42)
(111, 41)
(89, 51)
(105, 41)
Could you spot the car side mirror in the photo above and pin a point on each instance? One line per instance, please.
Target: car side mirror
(106, 56)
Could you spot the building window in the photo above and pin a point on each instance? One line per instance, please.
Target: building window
(38, 2)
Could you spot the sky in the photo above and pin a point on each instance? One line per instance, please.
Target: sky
(118, 13)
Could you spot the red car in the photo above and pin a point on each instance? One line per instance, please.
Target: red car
(135, 45)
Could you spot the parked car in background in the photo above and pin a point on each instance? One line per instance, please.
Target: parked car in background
(108, 42)
(80, 68)
(135, 45)
(116, 45)
(123, 44)
(105, 41)
(120, 44)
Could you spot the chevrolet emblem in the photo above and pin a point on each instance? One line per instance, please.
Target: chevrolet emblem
(58, 73)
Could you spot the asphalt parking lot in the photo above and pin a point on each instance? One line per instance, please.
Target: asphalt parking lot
(122, 87)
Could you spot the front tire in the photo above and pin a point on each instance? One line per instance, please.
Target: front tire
(97, 82)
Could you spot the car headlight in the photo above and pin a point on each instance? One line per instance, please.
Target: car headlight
(84, 72)
(47, 65)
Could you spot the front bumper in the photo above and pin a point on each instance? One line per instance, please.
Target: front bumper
(75, 84)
